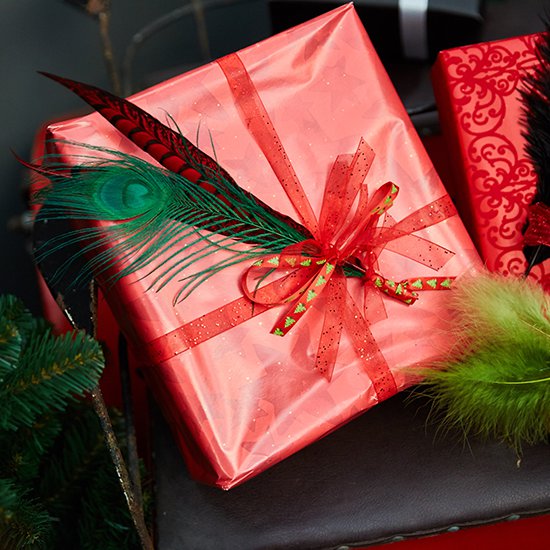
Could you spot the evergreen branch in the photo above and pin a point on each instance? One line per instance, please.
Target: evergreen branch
(23, 521)
(105, 521)
(52, 371)
(16, 323)
(24, 451)
(57, 474)
(136, 510)
(79, 451)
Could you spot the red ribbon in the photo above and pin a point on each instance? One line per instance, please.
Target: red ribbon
(343, 245)
(538, 231)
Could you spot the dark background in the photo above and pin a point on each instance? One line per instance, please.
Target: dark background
(55, 36)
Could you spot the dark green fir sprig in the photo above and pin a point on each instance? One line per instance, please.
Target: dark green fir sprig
(24, 522)
(58, 486)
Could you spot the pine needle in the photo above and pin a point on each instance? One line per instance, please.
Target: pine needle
(79, 487)
(24, 450)
(52, 372)
(16, 322)
(58, 488)
(24, 523)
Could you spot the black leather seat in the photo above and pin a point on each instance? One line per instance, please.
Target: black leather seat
(383, 477)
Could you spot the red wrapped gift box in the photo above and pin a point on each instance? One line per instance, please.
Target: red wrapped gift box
(238, 397)
(477, 92)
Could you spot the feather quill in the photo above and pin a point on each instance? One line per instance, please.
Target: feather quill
(536, 122)
(496, 383)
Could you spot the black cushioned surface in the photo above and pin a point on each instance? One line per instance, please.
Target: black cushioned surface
(386, 474)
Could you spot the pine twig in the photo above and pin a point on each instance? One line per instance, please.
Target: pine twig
(101, 9)
(104, 18)
(136, 511)
(125, 382)
(98, 402)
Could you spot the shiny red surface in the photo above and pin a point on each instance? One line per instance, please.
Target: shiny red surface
(528, 534)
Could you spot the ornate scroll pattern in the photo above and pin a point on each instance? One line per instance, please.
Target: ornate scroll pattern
(483, 83)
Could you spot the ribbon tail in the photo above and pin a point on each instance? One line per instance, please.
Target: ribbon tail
(259, 124)
(308, 296)
(333, 325)
(367, 349)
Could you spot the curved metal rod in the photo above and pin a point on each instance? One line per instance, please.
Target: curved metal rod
(196, 7)
(133, 500)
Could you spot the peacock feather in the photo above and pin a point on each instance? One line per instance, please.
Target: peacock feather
(149, 213)
(170, 149)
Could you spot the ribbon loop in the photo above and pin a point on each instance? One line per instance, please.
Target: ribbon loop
(307, 298)
(345, 182)
(346, 242)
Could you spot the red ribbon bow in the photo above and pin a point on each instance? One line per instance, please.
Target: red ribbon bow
(347, 246)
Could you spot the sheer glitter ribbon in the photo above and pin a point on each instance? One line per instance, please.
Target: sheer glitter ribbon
(343, 246)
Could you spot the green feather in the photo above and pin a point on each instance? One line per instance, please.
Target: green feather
(154, 214)
(496, 382)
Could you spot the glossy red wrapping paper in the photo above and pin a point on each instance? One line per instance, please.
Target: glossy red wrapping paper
(244, 399)
(477, 91)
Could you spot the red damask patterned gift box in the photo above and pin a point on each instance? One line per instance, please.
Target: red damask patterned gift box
(477, 90)
(309, 122)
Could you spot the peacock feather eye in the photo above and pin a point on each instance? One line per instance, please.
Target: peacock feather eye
(166, 218)
(121, 196)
